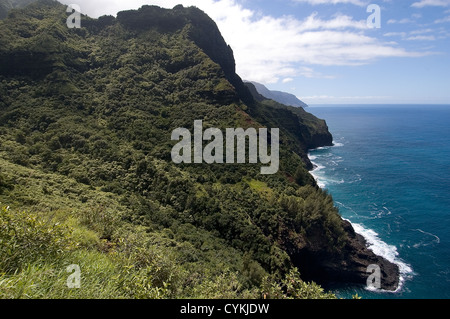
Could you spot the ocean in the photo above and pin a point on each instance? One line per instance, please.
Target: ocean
(389, 175)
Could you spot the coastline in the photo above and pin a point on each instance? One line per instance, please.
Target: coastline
(368, 237)
(381, 248)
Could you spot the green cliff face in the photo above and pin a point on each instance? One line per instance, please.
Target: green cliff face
(86, 117)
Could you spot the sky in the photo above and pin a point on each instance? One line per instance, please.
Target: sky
(330, 51)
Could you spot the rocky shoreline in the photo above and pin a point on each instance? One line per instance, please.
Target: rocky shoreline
(348, 265)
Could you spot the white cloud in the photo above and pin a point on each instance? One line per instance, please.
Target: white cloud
(443, 20)
(434, 3)
(311, 73)
(422, 38)
(319, 2)
(287, 80)
(338, 22)
(269, 49)
(395, 34)
(422, 31)
(402, 21)
(420, 35)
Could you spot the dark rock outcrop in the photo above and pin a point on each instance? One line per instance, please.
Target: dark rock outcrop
(348, 265)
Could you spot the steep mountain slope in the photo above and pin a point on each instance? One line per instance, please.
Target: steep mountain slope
(87, 114)
(278, 96)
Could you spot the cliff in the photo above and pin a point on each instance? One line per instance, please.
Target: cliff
(350, 265)
(94, 108)
(278, 96)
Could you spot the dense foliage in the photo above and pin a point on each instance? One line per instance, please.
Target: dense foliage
(85, 122)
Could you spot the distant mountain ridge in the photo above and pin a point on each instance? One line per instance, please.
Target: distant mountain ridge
(278, 96)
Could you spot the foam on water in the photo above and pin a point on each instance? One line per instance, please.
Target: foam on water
(389, 252)
(433, 240)
(317, 168)
(379, 247)
(321, 180)
(394, 161)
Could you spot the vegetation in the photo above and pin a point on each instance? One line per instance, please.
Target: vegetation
(85, 122)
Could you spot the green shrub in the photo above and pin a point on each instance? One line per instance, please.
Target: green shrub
(101, 220)
(4, 184)
(296, 288)
(24, 238)
(293, 287)
(224, 286)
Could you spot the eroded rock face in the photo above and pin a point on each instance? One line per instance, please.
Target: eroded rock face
(349, 265)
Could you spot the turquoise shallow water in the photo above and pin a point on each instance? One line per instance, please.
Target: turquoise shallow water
(389, 174)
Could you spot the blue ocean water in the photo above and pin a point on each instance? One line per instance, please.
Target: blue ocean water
(389, 174)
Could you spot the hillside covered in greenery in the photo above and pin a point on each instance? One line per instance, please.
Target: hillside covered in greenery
(86, 175)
